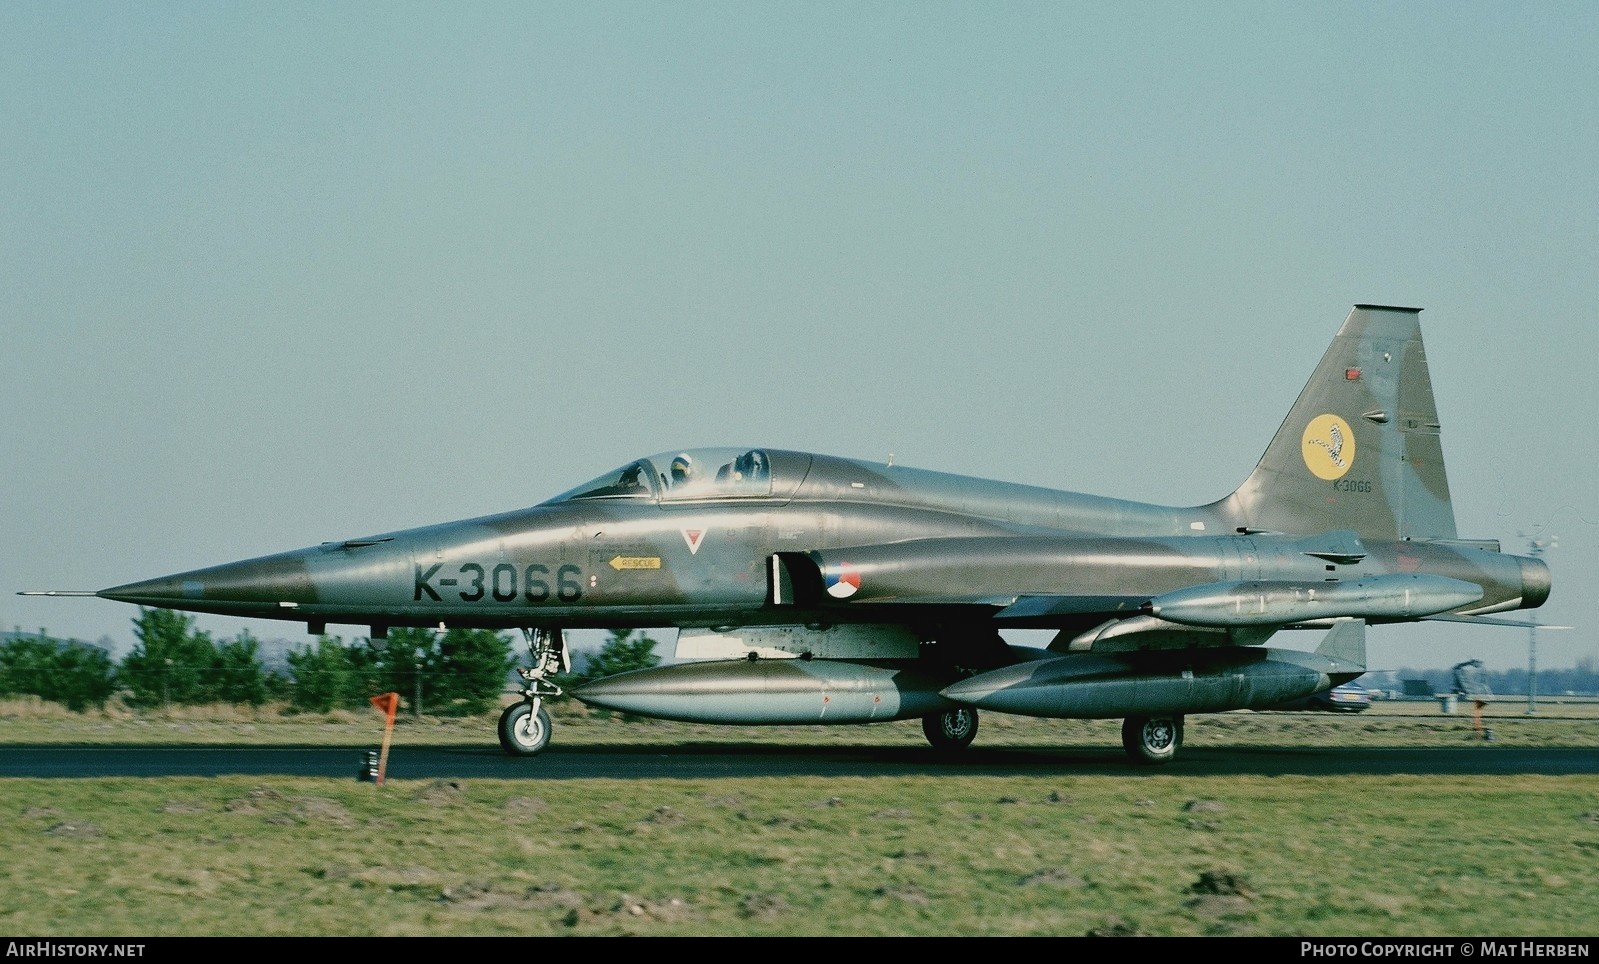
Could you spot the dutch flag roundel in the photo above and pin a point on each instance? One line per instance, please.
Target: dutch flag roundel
(843, 581)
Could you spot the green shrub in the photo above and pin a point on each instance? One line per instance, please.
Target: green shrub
(68, 672)
(331, 676)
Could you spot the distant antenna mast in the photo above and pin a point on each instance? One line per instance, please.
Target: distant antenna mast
(1536, 546)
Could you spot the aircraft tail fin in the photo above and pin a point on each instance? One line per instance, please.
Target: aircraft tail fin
(1345, 641)
(1360, 448)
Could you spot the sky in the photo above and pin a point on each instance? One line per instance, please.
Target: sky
(283, 273)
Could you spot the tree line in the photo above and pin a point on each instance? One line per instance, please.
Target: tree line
(457, 672)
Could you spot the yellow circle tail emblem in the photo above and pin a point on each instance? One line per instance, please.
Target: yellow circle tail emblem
(1328, 447)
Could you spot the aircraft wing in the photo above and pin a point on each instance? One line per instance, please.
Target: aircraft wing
(1048, 610)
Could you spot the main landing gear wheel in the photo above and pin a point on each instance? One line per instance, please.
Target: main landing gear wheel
(951, 729)
(1152, 739)
(524, 730)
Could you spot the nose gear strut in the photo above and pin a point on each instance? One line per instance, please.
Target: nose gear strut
(525, 726)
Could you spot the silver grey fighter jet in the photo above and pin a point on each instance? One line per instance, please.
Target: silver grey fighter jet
(813, 589)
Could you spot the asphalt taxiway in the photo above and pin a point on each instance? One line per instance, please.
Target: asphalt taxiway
(704, 761)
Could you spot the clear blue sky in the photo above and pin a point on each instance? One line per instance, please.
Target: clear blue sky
(281, 273)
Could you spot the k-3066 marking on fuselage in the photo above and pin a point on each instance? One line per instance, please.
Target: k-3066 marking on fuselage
(503, 582)
(1352, 485)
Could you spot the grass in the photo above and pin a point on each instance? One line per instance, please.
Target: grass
(1390, 723)
(1058, 855)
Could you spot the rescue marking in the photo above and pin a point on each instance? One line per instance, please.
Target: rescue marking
(636, 562)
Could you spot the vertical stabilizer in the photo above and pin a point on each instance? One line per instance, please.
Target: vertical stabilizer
(1346, 641)
(1360, 449)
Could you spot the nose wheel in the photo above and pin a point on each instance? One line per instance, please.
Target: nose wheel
(525, 727)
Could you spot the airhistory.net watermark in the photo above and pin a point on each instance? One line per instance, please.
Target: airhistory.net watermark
(71, 949)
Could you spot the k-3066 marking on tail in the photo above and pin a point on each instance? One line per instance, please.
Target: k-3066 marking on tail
(808, 588)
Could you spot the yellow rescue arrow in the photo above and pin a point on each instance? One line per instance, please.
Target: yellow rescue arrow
(636, 562)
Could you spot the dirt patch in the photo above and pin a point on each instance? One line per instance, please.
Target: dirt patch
(1218, 905)
(905, 893)
(442, 793)
(322, 810)
(782, 822)
(627, 910)
(400, 877)
(255, 801)
(484, 895)
(762, 906)
(525, 807)
(1115, 927)
(664, 816)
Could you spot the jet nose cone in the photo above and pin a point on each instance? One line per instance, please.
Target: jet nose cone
(153, 591)
(233, 587)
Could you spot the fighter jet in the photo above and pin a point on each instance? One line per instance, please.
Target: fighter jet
(808, 588)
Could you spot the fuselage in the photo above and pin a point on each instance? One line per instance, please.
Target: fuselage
(809, 588)
(649, 553)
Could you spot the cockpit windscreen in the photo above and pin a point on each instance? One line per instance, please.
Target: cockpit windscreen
(683, 476)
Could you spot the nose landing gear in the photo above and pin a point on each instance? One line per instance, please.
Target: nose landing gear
(525, 727)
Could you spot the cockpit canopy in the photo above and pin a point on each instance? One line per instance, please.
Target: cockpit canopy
(693, 474)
